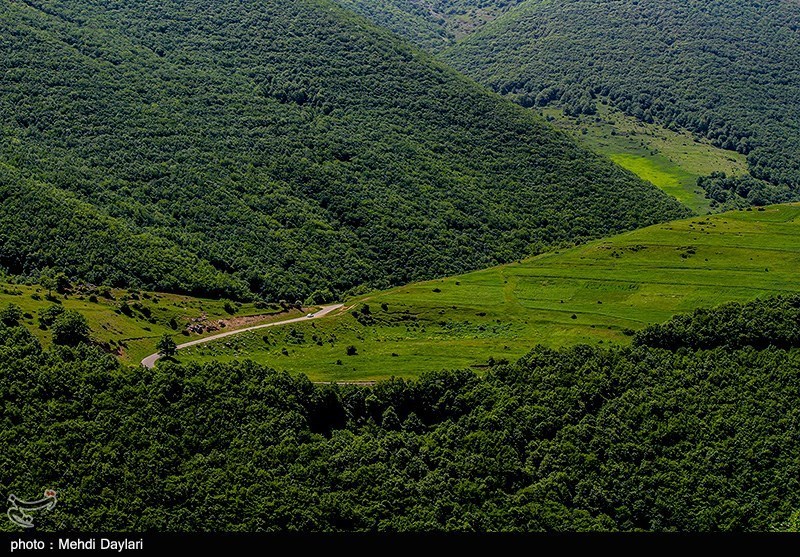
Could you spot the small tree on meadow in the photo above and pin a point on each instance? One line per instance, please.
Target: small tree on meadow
(166, 346)
(11, 315)
(48, 315)
(48, 282)
(62, 283)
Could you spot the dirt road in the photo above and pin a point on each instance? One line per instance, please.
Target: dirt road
(151, 360)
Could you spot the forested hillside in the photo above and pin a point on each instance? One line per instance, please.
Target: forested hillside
(272, 147)
(45, 228)
(577, 439)
(729, 71)
(759, 324)
(430, 24)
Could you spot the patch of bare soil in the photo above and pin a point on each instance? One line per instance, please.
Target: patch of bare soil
(201, 325)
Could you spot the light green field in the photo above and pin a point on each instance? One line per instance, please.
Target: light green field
(130, 337)
(670, 160)
(672, 179)
(589, 294)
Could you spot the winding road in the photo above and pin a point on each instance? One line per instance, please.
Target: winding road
(151, 360)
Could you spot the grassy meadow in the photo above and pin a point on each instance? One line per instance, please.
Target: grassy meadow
(132, 333)
(668, 159)
(594, 293)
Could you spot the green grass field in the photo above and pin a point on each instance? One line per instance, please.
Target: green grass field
(131, 336)
(588, 294)
(593, 293)
(671, 160)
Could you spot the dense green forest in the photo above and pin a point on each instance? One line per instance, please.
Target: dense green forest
(406, 18)
(758, 324)
(729, 71)
(45, 228)
(739, 192)
(275, 148)
(578, 439)
(430, 24)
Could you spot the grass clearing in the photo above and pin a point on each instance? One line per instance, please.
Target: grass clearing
(133, 333)
(588, 294)
(593, 294)
(670, 160)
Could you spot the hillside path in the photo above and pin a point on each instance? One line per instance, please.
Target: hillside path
(151, 360)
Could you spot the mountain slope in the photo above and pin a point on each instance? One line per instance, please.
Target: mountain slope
(430, 24)
(729, 71)
(47, 228)
(290, 146)
(406, 18)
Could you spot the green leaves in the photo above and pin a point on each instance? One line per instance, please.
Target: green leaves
(758, 324)
(11, 315)
(660, 62)
(70, 328)
(166, 346)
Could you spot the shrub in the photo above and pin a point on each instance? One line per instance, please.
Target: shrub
(49, 315)
(70, 328)
(166, 346)
(11, 315)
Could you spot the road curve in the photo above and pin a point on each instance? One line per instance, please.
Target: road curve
(151, 360)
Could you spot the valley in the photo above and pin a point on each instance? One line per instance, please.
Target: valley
(724, 71)
(399, 266)
(671, 160)
(337, 158)
(598, 294)
(431, 24)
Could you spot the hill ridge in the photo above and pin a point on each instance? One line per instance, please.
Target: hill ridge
(292, 147)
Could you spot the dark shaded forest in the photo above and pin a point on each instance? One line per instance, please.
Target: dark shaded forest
(703, 436)
(272, 149)
(727, 71)
(728, 193)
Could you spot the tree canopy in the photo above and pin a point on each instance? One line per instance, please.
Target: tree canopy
(728, 71)
(433, 24)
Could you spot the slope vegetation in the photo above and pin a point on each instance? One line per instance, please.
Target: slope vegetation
(729, 71)
(275, 148)
(673, 160)
(129, 323)
(597, 294)
(430, 24)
